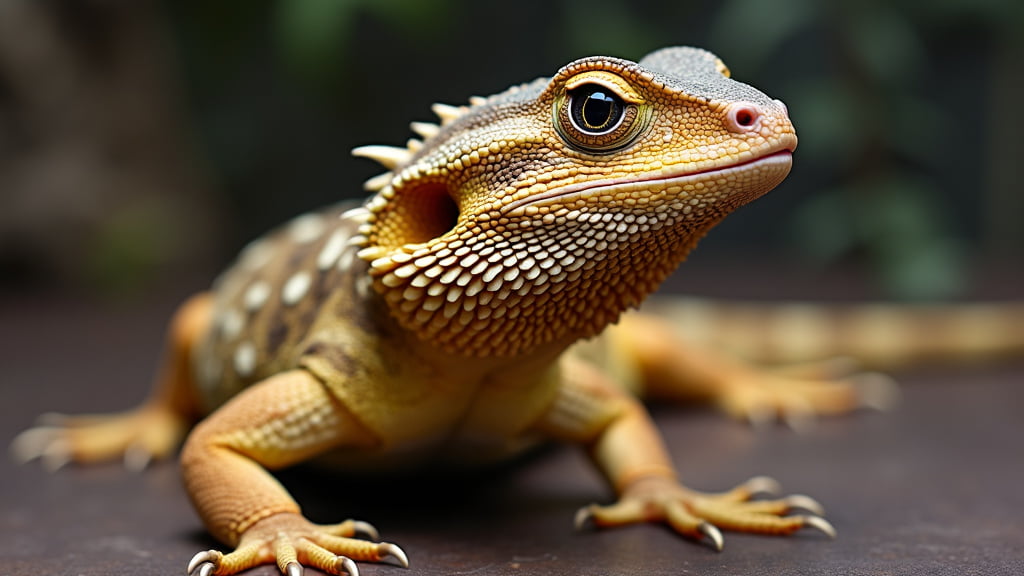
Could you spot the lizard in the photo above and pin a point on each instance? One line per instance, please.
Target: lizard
(472, 307)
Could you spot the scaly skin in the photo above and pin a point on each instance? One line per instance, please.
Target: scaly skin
(550, 220)
(437, 319)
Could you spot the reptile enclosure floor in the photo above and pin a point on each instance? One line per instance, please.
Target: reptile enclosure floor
(934, 487)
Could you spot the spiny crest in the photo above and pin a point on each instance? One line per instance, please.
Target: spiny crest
(386, 156)
(391, 157)
(425, 129)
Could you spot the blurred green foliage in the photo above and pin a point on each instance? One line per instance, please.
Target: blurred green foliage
(121, 256)
(873, 108)
(891, 101)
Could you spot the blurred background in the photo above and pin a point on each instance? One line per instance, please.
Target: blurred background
(143, 142)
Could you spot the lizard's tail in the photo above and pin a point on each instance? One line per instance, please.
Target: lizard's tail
(876, 335)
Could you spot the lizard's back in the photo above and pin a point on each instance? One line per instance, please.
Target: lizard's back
(271, 303)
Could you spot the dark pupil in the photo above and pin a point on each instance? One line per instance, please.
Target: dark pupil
(595, 110)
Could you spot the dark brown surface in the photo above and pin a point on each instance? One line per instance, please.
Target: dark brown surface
(935, 487)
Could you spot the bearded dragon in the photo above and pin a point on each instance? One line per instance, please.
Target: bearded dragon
(439, 320)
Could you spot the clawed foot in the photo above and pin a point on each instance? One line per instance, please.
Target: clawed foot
(703, 516)
(798, 394)
(137, 436)
(291, 542)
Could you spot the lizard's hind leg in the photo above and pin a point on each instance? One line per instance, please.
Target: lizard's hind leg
(670, 368)
(151, 430)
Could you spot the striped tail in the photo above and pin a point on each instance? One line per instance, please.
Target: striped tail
(876, 335)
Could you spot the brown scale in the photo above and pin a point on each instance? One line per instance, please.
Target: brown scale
(276, 328)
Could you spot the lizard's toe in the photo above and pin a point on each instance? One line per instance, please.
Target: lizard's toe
(291, 542)
(762, 397)
(137, 436)
(702, 516)
(44, 443)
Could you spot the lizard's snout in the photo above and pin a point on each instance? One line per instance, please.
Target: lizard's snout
(759, 120)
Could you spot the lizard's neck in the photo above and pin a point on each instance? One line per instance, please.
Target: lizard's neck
(515, 287)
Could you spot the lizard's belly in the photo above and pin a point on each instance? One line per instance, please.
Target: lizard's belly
(444, 453)
(441, 420)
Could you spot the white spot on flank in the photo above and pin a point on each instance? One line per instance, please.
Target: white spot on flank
(295, 288)
(245, 359)
(256, 254)
(256, 296)
(363, 286)
(331, 250)
(346, 260)
(306, 228)
(231, 324)
(211, 372)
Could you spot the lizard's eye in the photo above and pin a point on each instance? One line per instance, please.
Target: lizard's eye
(594, 118)
(595, 110)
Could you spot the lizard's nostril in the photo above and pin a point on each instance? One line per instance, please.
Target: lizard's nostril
(742, 117)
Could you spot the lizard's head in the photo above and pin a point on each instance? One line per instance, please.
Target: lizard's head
(537, 216)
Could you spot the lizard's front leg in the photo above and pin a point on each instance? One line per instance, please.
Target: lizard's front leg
(283, 420)
(626, 446)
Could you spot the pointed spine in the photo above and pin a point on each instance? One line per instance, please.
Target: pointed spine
(387, 156)
(425, 129)
(378, 182)
(447, 113)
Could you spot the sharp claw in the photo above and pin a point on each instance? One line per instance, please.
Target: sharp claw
(804, 503)
(583, 516)
(196, 560)
(760, 417)
(206, 569)
(137, 458)
(877, 391)
(388, 549)
(713, 534)
(51, 419)
(57, 455)
(209, 556)
(293, 569)
(348, 566)
(799, 416)
(821, 524)
(365, 528)
(763, 485)
(31, 444)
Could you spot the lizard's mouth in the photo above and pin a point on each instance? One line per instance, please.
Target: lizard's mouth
(763, 173)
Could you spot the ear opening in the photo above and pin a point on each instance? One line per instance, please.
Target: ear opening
(416, 216)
